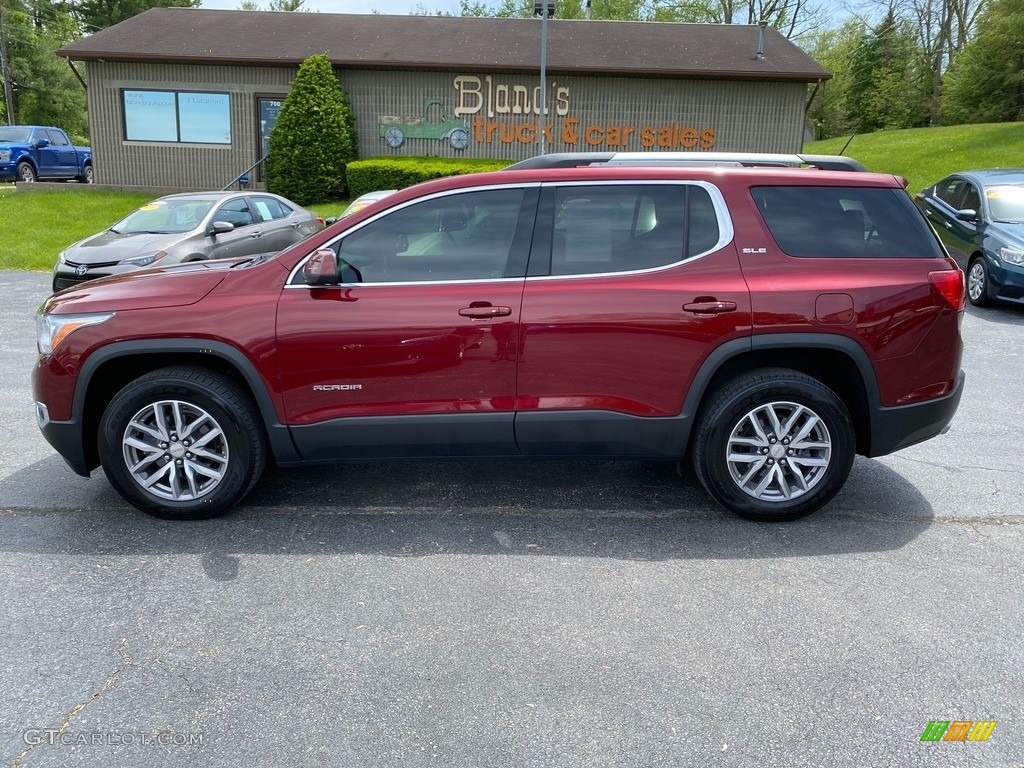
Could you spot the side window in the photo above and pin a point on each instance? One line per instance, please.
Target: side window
(621, 228)
(949, 191)
(57, 138)
(464, 236)
(235, 212)
(269, 209)
(836, 222)
(972, 199)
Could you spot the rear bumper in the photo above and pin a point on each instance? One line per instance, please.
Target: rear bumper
(898, 427)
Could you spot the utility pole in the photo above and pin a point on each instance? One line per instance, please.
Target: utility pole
(5, 70)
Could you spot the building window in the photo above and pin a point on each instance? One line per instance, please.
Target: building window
(177, 116)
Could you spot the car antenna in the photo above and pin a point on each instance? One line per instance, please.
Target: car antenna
(852, 137)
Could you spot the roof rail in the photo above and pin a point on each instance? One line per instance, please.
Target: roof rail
(743, 159)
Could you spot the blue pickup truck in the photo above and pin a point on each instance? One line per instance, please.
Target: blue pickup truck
(31, 152)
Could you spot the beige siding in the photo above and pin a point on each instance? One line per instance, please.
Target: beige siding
(744, 116)
(194, 166)
(599, 114)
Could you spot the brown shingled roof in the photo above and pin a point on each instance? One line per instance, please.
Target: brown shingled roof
(195, 35)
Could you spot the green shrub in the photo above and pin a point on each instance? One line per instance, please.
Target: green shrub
(314, 137)
(399, 172)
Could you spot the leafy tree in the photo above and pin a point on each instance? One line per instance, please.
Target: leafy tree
(314, 137)
(46, 91)
(890, 79)
(834, 50)
(274, 5)
(95, 15)
(985, 83)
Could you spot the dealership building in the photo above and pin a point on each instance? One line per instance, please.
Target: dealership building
(184, 97)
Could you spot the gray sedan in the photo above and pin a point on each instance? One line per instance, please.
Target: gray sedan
(188, 227)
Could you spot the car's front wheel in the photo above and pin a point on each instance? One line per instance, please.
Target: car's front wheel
(773, 445)
(977, 283)
(182, 443)
(26, 172)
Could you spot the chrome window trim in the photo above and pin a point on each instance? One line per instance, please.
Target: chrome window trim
(289, 282)
(726, 231)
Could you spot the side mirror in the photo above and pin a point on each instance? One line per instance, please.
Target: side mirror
(331, 220)
(967, 214)
(321, 268)
(220, 228)
(42, 143)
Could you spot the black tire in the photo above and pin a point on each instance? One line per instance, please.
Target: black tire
(977, 283)
(25, 172)
(229, 434)
(87, 177)
(730, 414)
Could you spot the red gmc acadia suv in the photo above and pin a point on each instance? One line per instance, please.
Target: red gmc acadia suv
(767, 322)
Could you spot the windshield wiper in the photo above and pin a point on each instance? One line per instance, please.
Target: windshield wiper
(258, 259)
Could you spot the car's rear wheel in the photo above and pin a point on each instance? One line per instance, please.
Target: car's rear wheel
(182, 443)
(86, 177)
(977, 283)
(773, 445)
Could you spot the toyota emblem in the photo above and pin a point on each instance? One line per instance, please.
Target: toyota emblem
(81, 269)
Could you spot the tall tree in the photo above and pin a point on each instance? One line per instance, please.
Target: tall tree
(890, 79)
(834, 49)
(95, 15)
(45, 90)
(985, 83)
(314, 137)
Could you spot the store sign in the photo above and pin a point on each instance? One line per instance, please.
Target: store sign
(493, 106)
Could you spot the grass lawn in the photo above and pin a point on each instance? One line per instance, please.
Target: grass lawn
(925, 155)
(39, 225)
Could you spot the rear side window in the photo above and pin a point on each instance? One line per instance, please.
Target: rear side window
(843, 222)
(621, 228)
(270, 209)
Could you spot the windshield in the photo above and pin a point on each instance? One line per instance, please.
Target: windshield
(1006, 203)
(14, 133)
(165, 217)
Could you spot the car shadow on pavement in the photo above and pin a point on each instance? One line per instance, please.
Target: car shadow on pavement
(598, 509)
(1003, 313)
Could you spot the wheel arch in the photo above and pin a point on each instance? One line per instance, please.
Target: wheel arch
(838, 362)
(109, 369)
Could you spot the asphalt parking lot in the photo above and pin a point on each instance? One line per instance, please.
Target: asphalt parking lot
(517, 614)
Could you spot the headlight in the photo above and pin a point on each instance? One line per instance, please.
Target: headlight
(1012, 255)
(5, 155)
(51, 330)
(145, 260)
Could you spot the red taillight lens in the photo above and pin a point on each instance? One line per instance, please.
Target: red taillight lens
(950, 283)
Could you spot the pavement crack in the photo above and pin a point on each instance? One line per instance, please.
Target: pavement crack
(53, 734)
(938, 465)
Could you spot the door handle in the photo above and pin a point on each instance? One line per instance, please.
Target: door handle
(709, 307)
(256, 234)
(485, 311)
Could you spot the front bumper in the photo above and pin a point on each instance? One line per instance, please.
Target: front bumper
(1006, 281)
(66, 439)
(894, 428)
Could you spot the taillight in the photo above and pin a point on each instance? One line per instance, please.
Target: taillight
(320, 219)
(950, 283)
